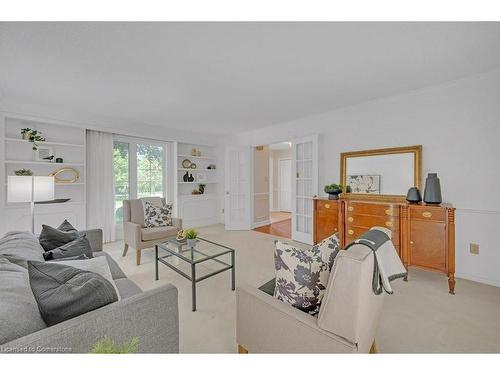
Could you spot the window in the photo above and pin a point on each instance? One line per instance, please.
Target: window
(140, 171)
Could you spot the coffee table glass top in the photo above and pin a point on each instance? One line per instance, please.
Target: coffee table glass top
(201, 251)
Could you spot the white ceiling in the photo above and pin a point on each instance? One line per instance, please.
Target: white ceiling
(232, 77)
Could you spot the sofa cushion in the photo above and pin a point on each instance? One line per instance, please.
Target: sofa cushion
(75, 248)
(302, 275)
(19, 315)
(127, 288)
(96, 265)
(157, 215)
(64, 292)
(116, 271)
(21, 244)
(158, 233)
(51, 238)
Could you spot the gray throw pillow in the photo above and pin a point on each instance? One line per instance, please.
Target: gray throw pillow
(64, 292)
(80, 246)
(19, 315)
(51, 238)
(66, 226)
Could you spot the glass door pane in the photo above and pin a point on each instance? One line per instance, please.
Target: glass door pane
(149, 170)
(121, 170)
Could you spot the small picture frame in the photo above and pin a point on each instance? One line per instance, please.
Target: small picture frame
(201, 177)
(43, 153)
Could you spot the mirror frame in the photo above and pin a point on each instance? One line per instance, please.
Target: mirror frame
(417, 170)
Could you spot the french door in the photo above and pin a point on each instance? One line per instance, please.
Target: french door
(304, 187)
(237, 198)
(285, 184)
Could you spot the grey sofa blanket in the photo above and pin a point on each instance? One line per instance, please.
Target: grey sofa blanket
(387, 265)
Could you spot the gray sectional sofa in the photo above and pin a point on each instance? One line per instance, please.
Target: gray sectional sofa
(151, 316)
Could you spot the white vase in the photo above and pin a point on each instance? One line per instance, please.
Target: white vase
(191, 242)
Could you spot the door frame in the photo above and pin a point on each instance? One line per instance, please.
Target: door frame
(279, 184)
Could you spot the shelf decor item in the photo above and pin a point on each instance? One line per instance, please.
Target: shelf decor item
(66, 175)
(413, 195)
(23, 172)
(193, 166)
(198, 153)
(44, 153)
(194, 152)
(201, 188)
(211, 166)
(32, 136)
(334, 190)
(190, 178)
(432, 192)
(185, 178)
(59, 160)
(186, 163)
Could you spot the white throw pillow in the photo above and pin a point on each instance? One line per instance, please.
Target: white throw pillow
(302, 275)
(157, 216)
(98, 265)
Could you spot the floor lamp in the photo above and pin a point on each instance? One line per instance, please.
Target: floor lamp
(30, 189)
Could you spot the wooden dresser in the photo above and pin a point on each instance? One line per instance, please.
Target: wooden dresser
(423, 235)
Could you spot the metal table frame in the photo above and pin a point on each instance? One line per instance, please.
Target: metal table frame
(193, 263)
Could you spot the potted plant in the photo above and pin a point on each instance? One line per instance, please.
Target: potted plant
(23, 172)
(191, 235)
(32, 136)
(334, 190)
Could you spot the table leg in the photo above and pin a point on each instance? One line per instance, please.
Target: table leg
(156, 261)
(233, 271)
(193, 285)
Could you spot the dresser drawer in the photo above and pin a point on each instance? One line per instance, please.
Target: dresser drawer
(428, 213)
(355, 232)
(326, 207)
(368, 221)
(358, 208)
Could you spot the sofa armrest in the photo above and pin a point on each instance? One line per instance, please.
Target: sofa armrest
(95, 238)
(267, 325)
(177, 222)
(150, 316)
(132, 234)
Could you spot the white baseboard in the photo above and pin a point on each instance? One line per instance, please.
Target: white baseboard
(481, 280)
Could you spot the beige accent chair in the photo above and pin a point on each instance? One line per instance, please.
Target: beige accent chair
(347, 322)
(136, 234)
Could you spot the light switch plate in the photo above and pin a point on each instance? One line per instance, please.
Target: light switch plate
(474, 248)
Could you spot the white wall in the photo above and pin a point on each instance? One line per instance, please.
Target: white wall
(275, 156)
(458, 125)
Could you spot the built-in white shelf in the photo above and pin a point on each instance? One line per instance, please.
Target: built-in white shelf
(197, 182)
(33, 162)
(197, 157)
(197, 169)
(45, 142)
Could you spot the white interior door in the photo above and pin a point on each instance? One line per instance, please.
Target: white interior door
(304, 187)
(285, 184)
(238, 215)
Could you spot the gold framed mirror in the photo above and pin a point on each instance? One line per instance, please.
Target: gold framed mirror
(381, 174)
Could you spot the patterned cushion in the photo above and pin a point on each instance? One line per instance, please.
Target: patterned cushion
(302, 275)
(157, 216)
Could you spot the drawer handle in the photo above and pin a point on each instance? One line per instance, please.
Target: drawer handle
(327, 205)
(427, 214)
(389, 212)
(350, 219)
(388, 224)
(411, 242)
(350, 231)
(350, 208)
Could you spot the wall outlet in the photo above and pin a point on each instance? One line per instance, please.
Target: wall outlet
(474, 248)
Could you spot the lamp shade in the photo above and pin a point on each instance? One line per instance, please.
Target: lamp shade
(43, 188)
(19, 188)
(29, 188)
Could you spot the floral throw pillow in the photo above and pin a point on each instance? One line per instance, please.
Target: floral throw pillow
(157, 216)
(302, 275)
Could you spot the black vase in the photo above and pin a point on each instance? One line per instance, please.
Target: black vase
(432, 192)
(185, 178)
(190, 178)
(413, 195)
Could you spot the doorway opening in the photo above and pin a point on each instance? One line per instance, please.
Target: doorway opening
(273, 189)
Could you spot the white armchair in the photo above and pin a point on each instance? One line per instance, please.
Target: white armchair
(136, 234)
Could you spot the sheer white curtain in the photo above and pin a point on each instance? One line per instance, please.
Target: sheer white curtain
(100, 183)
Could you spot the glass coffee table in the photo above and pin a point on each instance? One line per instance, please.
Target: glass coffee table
(180, 254)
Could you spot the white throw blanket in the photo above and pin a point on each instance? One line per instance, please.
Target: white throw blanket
(387, 265)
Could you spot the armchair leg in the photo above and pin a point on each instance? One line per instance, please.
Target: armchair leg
(373, 349)
(242, 350)
(138, 256)
(125, 249)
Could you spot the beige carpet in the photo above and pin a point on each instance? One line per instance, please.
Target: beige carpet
(421, 317)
